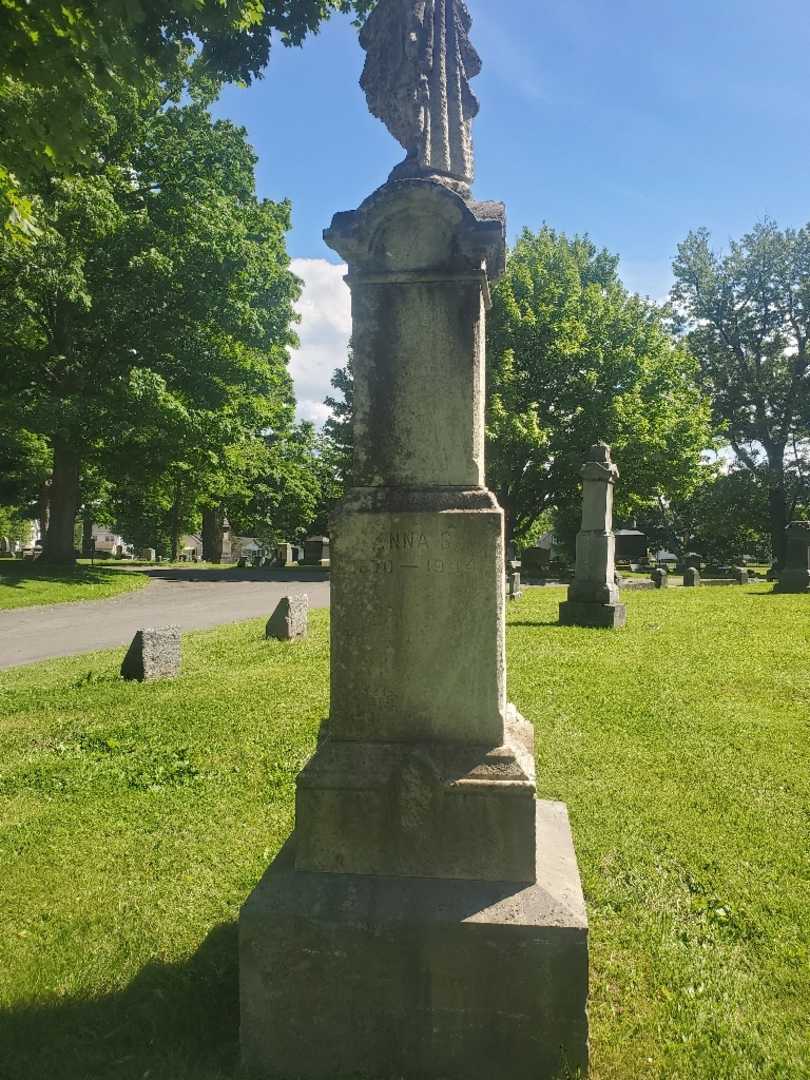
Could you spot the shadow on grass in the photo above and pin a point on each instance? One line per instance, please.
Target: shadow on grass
(16, 574)
(533, 622)
(173, 1022)
(304, 573)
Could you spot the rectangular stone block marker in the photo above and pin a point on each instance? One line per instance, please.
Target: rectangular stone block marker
(794, 577)
(426, 920)
(289, 621)
(417, 977)
(153, 654)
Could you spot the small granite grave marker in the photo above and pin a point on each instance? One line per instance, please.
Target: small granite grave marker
(316, 551)
(794, 577)
(153, 654)
(289, 621)
(660, 578)
(741, 575)
(691, 577)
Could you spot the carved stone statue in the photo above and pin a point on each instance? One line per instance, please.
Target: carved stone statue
(417, 81)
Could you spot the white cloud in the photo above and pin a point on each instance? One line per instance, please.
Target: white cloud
(324, 332)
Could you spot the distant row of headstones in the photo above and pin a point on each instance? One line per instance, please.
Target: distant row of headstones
(313, 552)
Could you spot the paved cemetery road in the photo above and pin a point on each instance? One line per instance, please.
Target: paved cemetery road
(192, 600)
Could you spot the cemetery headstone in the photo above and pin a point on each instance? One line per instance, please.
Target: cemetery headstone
(593, 596)
(5, 545)
(794, 576)
(427, 910)
(285, 555)
(660, 578)
(149, 555)
(154, 654)
(316, 551)
(515, 591)
(691, 577)
(289, 621)
(741, 575)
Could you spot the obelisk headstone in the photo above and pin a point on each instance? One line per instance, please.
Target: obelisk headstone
(426, 919)
(794, 576)
(593, 596)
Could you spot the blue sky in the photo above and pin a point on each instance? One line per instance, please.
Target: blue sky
(629, 120)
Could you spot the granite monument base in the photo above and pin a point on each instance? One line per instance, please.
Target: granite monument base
(605, 616)
(793, 581)
(417, 979)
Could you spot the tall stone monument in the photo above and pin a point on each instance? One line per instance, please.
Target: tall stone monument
(794, 576)
(593, 597)
(426, 918)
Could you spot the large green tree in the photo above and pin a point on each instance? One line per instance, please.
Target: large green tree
(151, 318)
(747, 314)
(573, 357)
(62, 60)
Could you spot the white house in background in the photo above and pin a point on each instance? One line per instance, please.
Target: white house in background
(108, 542)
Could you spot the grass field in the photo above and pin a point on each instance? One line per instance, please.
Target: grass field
(25, 584)
(134, 820)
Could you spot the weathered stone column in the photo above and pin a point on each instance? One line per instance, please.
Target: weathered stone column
(593, 597)
(426, 919)
(794, 577)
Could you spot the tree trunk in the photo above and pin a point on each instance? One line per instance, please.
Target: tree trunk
(59, 547)
(213, 534)
(777, 503)
(87, 533)
(175, 522)
(44, 508)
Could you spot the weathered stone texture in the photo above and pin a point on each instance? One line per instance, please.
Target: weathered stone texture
(660, 578)
(417, 81)
(153, 654)
(418, 978)
(691, 577)
(289, 621)
(593, 596)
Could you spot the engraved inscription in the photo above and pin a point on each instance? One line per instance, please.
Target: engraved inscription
(410, 551)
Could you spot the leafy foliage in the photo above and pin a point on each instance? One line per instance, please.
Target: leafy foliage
(148, 326)
(64, 60)
(747, 314)
(574, 358)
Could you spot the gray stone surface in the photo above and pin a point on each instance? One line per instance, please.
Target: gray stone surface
(417, 81)
(421, 808)
(346, 975)
(153, 654)
(598, 616)
(660, 578)
(316, 551)
(593, 596)
(514, 590)
(286, 555)
(411, 917)
(290, 620)
(741, 575)
(794, 577)
(691, 577)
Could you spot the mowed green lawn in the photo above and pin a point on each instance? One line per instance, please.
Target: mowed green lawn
(26, 584)
(136, 819)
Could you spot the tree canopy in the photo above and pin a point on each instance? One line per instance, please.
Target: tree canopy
(148, 325)
(747, 317)
(62, 60)
(573, 357)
